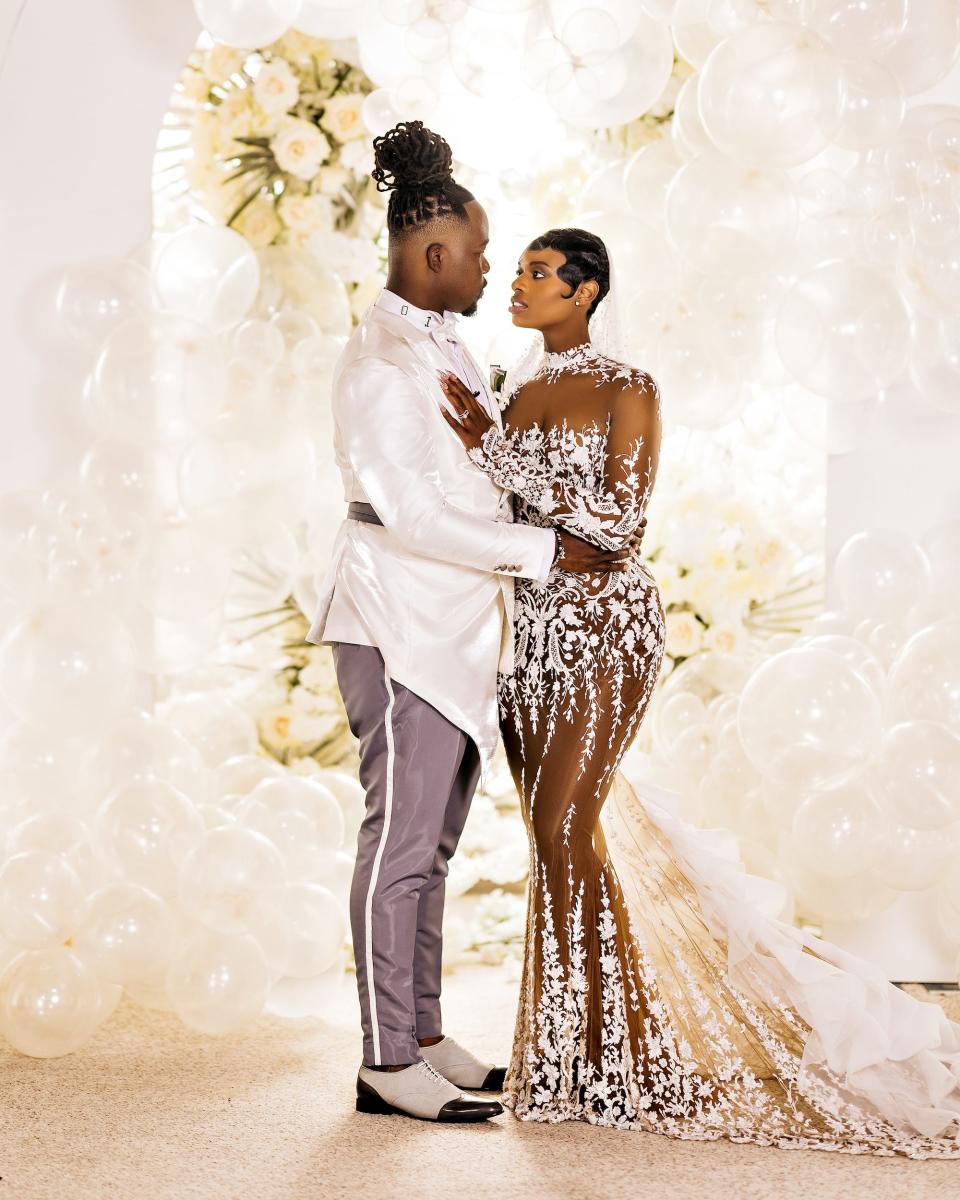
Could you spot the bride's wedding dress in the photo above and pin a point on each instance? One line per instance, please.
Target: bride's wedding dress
(658, 991)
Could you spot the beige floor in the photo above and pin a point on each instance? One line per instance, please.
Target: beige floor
(150, 1110)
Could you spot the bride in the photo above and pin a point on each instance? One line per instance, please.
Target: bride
(657, 992)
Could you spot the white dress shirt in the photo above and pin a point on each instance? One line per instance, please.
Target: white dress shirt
(432, 588)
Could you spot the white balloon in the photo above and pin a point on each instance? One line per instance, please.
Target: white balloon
(328, 18)
(68, 666)
(218, 727)
(319, 929)
(300, 816)
(853, 651)
(40, 895)
(915, 859)
(839, 832)
(879, 573)
(219, 983)
(126, 931)
(807, 718)
(918, 775)
(247, 24)
(872, 105)
(228, 876)
(927, 47)
(209, 273)
(94, 298)
(843, 330)
(710, 193)
(770, 95)
(941, 544)
(925, 678)
(186, 572)
(144, 830)
(861, 28)
(50, 1002)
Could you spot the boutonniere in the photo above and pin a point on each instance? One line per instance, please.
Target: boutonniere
(498, 378)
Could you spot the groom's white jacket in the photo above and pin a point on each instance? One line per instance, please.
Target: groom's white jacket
(432, 588)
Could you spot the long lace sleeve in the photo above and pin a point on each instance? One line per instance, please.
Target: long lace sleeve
(608, 513)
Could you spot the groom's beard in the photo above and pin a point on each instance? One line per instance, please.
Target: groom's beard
(472, 310)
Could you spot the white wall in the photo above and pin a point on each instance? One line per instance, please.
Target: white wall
(84, 86)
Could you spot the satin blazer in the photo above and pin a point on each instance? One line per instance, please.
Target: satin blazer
(432, 588)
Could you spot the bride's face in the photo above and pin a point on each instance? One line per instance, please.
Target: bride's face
(541, 299)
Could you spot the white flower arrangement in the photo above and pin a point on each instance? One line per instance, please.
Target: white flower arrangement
(278, 148)
(727, 571)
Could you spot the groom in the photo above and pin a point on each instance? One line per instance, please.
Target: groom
(417, 605)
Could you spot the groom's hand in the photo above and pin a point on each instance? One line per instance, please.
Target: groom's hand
(580, 556)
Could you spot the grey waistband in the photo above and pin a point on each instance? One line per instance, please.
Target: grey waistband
(358, 511)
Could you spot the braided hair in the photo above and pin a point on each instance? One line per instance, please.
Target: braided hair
(416, 166)
(586, 257)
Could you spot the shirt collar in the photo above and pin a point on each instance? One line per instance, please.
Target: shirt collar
(422, 318)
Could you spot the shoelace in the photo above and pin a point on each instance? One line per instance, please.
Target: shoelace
(431, 1070)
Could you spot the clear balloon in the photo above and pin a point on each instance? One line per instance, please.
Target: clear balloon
(144, 830)
(186, 572)
(927, 47)
(872, 106)
(879, 573)
(918, 775)
(68, 666)
(40, 895)
(858, 28)
(145, 747)
(916, 859)
(208, 273)
(853, 651)
(300, 816)
(247, 24)
(219, 983)
(770, 96)
(843, 330)
(319, 928)
(94, 298)
(328, 18)
(839, 832)
(711, 193)
(125, 931)
(925, 678)
(50, 1002)
(216, 726)
(229, 876)
(808, 719)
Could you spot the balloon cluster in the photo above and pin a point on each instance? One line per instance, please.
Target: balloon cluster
(837, 757)
(797, 230)
(146, 843)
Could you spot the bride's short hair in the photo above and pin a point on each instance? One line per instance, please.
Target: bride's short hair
(586, 257)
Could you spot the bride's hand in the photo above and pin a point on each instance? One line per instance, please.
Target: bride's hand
(474, 421)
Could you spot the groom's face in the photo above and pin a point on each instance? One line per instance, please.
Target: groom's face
(466, 263)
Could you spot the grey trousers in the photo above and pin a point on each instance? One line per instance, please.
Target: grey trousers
(419, 772)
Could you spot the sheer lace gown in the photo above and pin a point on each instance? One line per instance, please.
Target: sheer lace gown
(658, 991)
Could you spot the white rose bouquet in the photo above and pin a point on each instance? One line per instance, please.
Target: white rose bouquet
(278, 147)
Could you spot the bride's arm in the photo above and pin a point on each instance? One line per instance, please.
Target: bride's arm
(607, 517)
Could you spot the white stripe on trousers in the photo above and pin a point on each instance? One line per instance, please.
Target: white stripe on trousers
(368, 908)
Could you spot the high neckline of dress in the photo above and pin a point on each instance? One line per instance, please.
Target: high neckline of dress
(575, 354)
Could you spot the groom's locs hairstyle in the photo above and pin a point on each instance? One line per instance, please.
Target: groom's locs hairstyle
(416, 166)
(586, 257)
